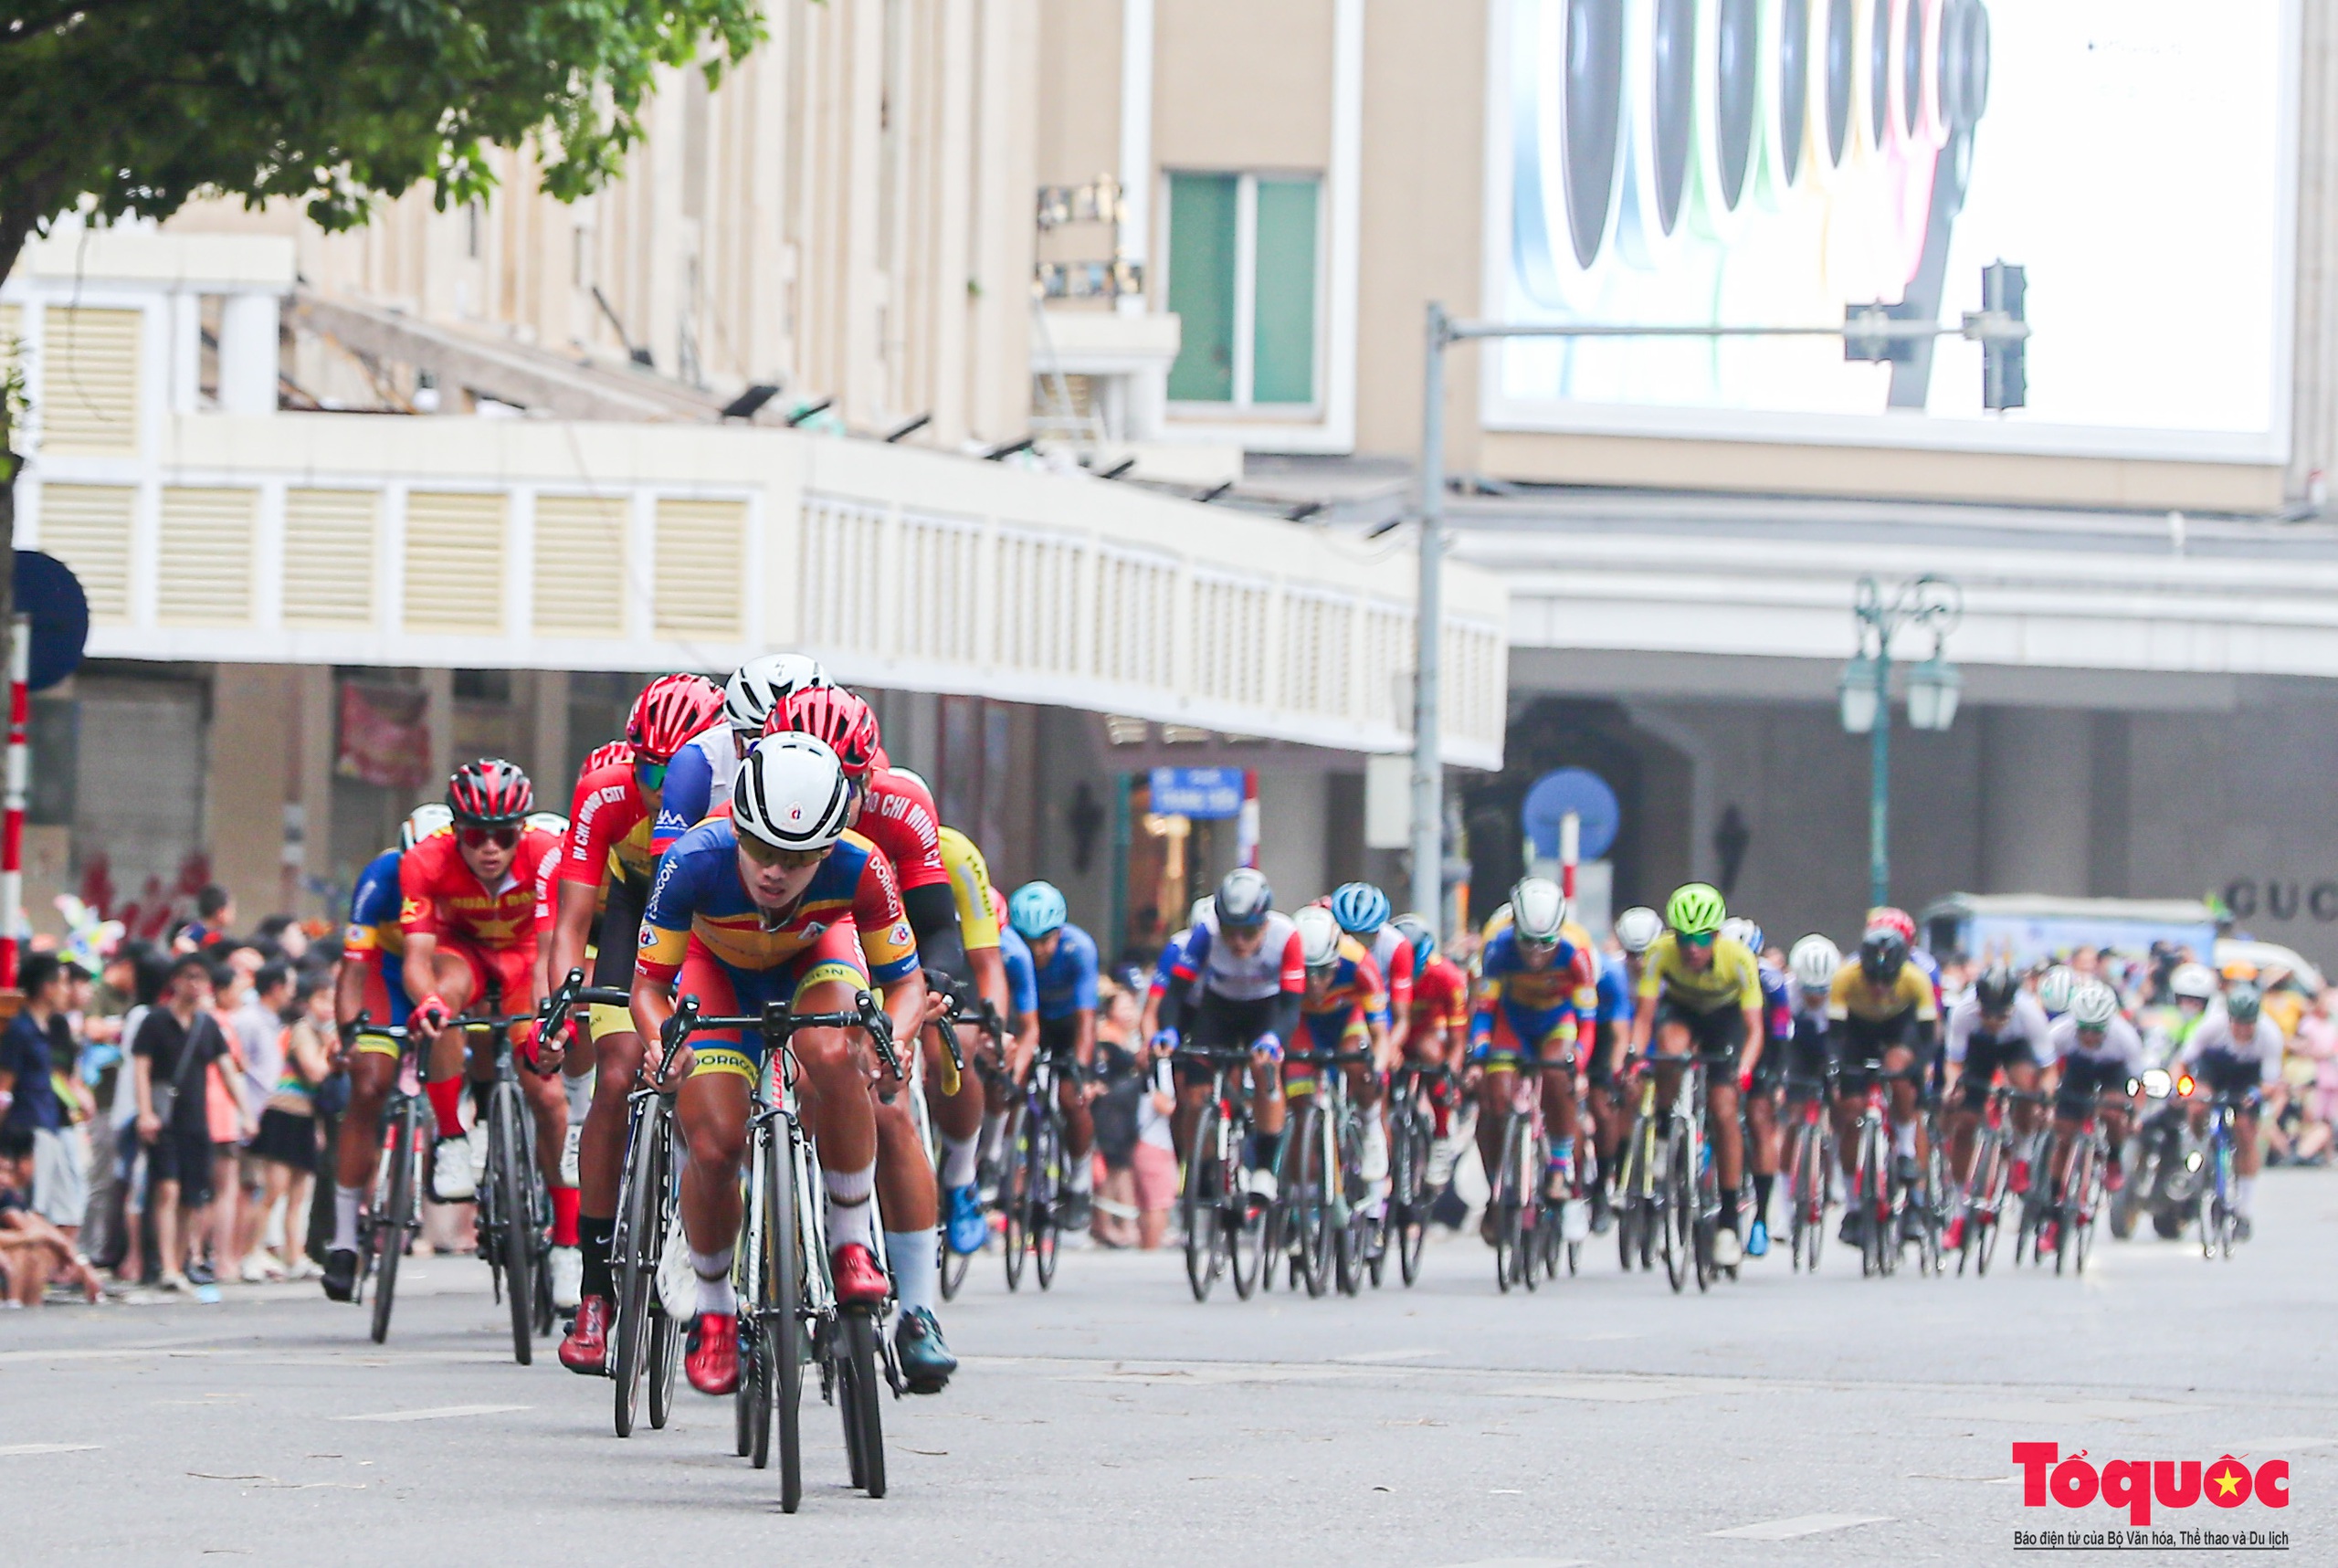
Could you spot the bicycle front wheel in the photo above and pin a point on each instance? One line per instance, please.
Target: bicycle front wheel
(507, 1159)
(393, 1208)
(1408, 1207)
(1014, 1197)
(1204, 1250)
(861, 1388)
(1678, 1211)
(635, 1252)
(1047, 1191)
(782, 1326)
(1241, 1217)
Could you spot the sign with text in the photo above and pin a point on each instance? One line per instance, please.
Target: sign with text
(1200, 793)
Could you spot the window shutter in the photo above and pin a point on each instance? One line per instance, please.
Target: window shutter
(700, 543)
(88, 527)
(204, 570)
(454, 563)
(580, 565)
(88, 386)
(329, 557)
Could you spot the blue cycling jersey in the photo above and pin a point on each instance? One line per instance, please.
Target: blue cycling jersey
(1066, 982)
(1022, 986)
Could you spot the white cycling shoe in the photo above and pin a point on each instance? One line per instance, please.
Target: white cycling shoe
(568, 1278)
(454, 1174)
(1728, 1250)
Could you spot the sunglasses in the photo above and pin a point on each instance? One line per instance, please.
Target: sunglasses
(480, 837)
(649, 775)
(1684, 940)
(770, 857)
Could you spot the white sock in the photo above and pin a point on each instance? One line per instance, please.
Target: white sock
(579, 1090)
(1372, 1158)
(1081, 1176)
(1903, 1139)
(848, 1206)
(993, 1129)
(959, 1157)
(344, 1217)
(714, 1292)
(2244, 1195)
(917, 1266)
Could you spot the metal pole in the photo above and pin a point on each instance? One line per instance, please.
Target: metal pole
(1879, 808)
(1429, 765)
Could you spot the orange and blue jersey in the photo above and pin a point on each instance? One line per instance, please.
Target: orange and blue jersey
(1529, 1007)
(1335, 1017)
(375, 939)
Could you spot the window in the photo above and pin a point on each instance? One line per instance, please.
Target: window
(1242, 278)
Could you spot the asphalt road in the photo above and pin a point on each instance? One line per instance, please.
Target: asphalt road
(1780, 1420)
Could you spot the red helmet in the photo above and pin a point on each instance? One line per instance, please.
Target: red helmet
(835, 715)
(489, 792)
(1893, 919)
(669, 713)
(616, 754)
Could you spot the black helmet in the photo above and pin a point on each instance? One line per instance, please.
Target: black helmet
(1997, 988)
(1882, 951)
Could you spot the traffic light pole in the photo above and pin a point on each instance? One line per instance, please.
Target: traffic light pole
(1868, 331)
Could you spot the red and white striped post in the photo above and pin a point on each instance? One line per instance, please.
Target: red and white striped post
(1570, 850)
(12, 825)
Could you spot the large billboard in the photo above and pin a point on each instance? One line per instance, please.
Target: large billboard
(1768, 163)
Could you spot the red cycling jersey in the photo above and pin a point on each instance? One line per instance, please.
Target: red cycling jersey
(1440, 1004)
(610, 822)
(444, 898)
(897, 815)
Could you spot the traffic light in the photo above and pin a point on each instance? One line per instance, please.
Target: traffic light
(2004, 379)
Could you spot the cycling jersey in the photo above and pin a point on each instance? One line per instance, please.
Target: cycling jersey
(1533, 1002)
(1067, 980)
(1907, 995)
(375, 939)
(1337, 1015)
(1778, 1003)
(2119, 1045)
(441, 897)
(1440, 1004)
(2214, 1039)
(1022, 981)
(698, 780)
(2026, 1029)
(897, 815)
(1164, 968)
(978, 927)
(1277, 965)
(610, 823)
(1731, 980)
(1392, 954)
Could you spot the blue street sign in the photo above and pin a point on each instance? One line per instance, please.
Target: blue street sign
(1578, 790)
(1207, 793)
(48, 592)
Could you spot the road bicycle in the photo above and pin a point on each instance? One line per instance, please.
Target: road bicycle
(515, 1207)
(984, 1014)
(2219, 1218)
(1319, 1208)
(1225, 1221)
(1031, 1188)
(1881, 1202)
(1998, 1149)
(2079, 1196)
(1671, 1202)
(1517, 1200)
(1411, 1136)
(1810, 1163)
(393, 1206)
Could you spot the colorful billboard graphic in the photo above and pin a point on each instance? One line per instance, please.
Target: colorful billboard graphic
(1770, 162)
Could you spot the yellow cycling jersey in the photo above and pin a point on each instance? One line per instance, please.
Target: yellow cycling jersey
(1734, 979)
(970, 891)
(1854, 996)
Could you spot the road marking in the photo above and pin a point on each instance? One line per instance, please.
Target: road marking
(1803, 1524)
(1526, 1563)
(1617, 1389)
(442, 1413)
(2045, 1411)
(47, 1448)
(1365, 1358)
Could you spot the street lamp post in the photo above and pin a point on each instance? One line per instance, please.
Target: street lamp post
(1936, 604)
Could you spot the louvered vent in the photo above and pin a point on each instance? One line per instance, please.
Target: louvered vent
(454, 563)
(329, 557)
(88, 527)
(700, 545)
(203, 576)
(89, 384)
(581, 564)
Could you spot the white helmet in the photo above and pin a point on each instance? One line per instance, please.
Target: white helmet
(2094, 1005)
(1813, 961)
(550, 822)
(1319, 936)
(760, 685)
(1637, 927)
(1204, 907)
(431, 816)
(1537, 910)
(1738, 929)
(791, 793)
(2055, 988)
(2194, 982)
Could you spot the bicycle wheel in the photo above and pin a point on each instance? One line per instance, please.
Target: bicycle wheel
(954, 1270)
(1242, 1218)
(1872, 1203)
(1351, 1240)
(1198, 1207)
(1679, 1201)
(1928, 1222)
(751, 1400)
(1046, 1193)
(1798, 1226)
(666, 1332)
(1311, 1210)
(1629, 1217)
(1014, 1198)
(1407, 1209)
(2088, 1213)
(506, 1159)
(861, 1386)
(634, 1250)
(2066, 1207)
(782, 1326)
(393, 1206)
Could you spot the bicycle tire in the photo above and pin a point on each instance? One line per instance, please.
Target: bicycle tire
(505, 1159)
(1409, 1213)
(1046, 1195)
(1349, 1241)
(2084, 1221)
(750, 1279)
(1014, 1199)
(783, 1329)
(1198, 1207)
(393, 1213)
(1521, 1157)
(861, 1388)
(666, 1332)
(1312, 1212)
(1706, 1217)
(1679, 1219)
(1798, 1221)
(633, 1273)
(1872, 1212)
(1242, 1218)
(955, 1268)
(2065, 1211)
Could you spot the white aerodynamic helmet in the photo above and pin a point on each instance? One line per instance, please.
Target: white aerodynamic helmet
(1637, 927)
(1537, 909)
(431, 816)
(1813, 961)
(1319, 936)
(791, 794)
(2193, 982)
(758, 686)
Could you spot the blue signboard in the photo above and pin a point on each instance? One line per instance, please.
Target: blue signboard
(1197, 791)
(1576, 790)
(50, 597)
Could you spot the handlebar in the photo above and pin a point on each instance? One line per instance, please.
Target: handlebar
(777, 1025)
(554, 1012)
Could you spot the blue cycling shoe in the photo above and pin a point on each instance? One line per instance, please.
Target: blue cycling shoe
(969, 1225)
(1757, 1240)
(926, 1362)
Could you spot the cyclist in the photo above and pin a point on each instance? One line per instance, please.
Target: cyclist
(474, 902)
(778, 901)
(1236, 986)
(1022, 1015)
(2101, 1056)
(980, 931)
(1063, 963)
(1996, 1029)
(699, 778)
(1620, 977)
(2055, 986)
(1436, 1034)
(892, 809)
(1536, 991)
(1762, 1083)
(1881, 1013)
(1702, 990)
(1362, 911)
(1343, 1007)
(2236, 1051)
(372, 981)
(605, 866)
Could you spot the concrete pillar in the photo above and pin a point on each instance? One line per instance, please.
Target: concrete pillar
(548, 740)
(912, 722)
(247, 353)
(250, 757)
(313, 700)
(439, 712)
(1294, 826)
(2038, 788)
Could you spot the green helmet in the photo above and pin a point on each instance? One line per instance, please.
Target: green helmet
(1696, 910)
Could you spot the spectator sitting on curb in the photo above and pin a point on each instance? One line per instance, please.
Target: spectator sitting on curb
(33, 1252)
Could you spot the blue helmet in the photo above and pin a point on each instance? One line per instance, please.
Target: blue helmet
(1035, 910)
(1360, 908)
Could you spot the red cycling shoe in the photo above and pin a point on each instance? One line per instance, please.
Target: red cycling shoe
(859, 1282)
(587, 1348)
(712, 1359)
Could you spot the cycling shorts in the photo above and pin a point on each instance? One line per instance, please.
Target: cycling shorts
(384, 1001)
(1860, 1043)
(1983, 1060)
(1220, 1023)
(503, 979)
(616, 942)
(1345, 1031)
(1520, 1034)
(2085, 1081)
(1717, 1036)
(1060, 1038)
(2228, 1074)
(833, 957)
(1781, 1059)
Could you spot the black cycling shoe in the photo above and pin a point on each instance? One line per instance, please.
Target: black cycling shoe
(1079, 1209)
(926, 1362)
(341, 1274)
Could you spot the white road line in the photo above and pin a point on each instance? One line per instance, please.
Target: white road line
(1367, 1358)
(1804, 1524)
(442, 1413)
(1526, 1563)
(47, 1448)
